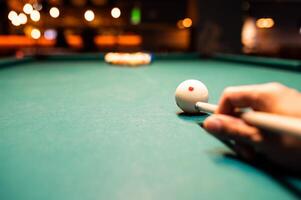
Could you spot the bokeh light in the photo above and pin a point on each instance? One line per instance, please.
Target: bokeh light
(27, 30)
(187, 22)
(16, 21)
(11, 15)
(50, 34)
(249, 34)
(22, 18)
(115, 12)
(37, 6)
(35, 33)
(136, 15)
(265, 23)
(89, 15)
(180, 24)
(19, 54)
(27, 8)
(54, 12)
(35, 16)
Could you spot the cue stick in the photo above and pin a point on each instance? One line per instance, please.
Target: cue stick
(271, 122)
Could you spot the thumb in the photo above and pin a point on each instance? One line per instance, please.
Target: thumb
(228, 127)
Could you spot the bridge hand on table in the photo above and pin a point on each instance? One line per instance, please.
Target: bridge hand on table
(249, 141)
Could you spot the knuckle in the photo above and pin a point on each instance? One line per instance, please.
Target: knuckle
(228, 91)
(269, 90)
(275, 85)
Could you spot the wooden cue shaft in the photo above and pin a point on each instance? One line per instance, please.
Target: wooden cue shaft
(271, 122)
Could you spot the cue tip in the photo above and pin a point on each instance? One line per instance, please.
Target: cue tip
(205, 107)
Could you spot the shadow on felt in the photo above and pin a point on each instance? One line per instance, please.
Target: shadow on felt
(280, 175)
(193, 118)
(276, 173)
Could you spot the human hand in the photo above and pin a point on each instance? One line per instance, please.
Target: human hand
(249, 141)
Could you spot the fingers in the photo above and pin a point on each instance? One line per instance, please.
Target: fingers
(227, 127)
(234, 133)
(257, 97)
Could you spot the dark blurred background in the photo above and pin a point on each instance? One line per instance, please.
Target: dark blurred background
(256, 27)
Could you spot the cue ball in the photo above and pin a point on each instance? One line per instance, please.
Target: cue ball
(188, 93)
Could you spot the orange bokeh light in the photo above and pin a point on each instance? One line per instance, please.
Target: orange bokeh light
(187, 22)
(73, 40)
(265, 23)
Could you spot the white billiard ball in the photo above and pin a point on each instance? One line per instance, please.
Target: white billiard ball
(188, 93)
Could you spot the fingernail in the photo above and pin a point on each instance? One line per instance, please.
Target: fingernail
(214, 125)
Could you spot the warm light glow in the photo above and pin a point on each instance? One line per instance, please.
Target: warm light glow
(89, 15)
(50, 34)
(115, 12)
(35, 33)
(22, 18)
(16, 21)
(187, 22)
(27, 30)
(11, 15)
(35, 16)
(265, 23)
(180, 24)
(248, 34)
(73, 40)
(27, 8)
(126, 40)
(132, 59)
(54, 12)
(37, 6)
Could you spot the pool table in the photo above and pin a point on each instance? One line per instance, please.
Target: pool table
(74, 127)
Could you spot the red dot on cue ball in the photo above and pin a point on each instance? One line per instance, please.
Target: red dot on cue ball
(190, 89)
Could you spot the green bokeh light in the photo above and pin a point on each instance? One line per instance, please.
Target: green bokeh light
(136, 16)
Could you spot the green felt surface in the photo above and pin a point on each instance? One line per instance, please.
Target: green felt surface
(272, 62)
(87, 130)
